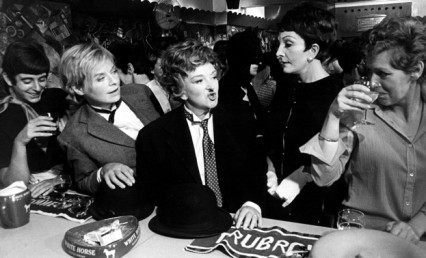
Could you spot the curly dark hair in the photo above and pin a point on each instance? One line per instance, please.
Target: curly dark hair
(181, 58)
(313, 24)
(405, 37)
(152, 57)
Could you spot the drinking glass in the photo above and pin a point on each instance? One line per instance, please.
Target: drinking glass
(55, 116)
(373, 94)
(62, 184)
(350, 219)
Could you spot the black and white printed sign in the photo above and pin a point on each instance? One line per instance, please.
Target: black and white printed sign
(258, 242)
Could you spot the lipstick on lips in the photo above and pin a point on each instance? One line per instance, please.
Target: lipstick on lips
(212, 96)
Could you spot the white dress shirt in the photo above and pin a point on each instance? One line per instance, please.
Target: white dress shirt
(125, 120)
(197, 134)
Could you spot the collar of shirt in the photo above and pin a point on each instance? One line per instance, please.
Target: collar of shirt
(411, 138)
(196, 118)
(125, 120)
(105, 112)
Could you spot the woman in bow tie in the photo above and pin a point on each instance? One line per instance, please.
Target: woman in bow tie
(99, 139)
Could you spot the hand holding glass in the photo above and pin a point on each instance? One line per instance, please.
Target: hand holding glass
(350, 219)
(55, 118)
(373, 94)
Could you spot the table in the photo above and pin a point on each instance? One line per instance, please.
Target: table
(42, 237)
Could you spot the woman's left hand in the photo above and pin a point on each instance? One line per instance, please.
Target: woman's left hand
(248, 217)
(403, 230)
(42, 188)
(271, 182)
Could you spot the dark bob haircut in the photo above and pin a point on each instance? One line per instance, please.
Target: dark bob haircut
(24, 57)
(314, 25)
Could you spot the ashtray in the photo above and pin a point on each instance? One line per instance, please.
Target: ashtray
(74, 242)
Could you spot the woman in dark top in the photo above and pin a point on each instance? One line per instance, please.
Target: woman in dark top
(297, 113)
(27, 140)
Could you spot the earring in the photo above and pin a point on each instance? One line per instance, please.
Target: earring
(310, 59)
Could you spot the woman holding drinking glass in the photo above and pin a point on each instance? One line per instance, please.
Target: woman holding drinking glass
(383, 162)
(28, 146)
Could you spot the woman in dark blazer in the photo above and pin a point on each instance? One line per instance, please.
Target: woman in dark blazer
(170, 150)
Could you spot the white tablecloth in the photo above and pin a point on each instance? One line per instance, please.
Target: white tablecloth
(42, 237)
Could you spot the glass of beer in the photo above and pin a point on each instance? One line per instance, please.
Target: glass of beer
(350, 219)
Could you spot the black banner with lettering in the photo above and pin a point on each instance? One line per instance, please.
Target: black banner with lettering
(258, 242)
(73, 207)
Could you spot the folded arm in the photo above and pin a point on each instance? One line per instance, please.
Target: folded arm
(411, 230)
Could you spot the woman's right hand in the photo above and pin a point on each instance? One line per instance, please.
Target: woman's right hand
(351, 98)
(117, 174)
(42, 126)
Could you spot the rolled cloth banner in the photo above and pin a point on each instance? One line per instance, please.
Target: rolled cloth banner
(258, 242)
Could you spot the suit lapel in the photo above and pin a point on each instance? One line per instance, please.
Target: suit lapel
(223, 141)
(100, 128)
(180, 141)
(143, 110)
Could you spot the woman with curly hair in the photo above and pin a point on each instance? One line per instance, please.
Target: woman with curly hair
(198, 142)
(383, 162)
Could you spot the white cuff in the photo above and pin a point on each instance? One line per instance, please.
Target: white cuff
(98, 175)
(313, 148)
(253, 205)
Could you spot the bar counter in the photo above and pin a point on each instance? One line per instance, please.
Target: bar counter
(43, 235)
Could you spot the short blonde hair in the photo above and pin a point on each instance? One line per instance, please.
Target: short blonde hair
(77, 64)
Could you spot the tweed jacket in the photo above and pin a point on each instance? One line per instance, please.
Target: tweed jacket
(91, 142)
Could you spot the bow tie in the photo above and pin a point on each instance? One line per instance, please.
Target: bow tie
(190, 117)
(106, 111)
